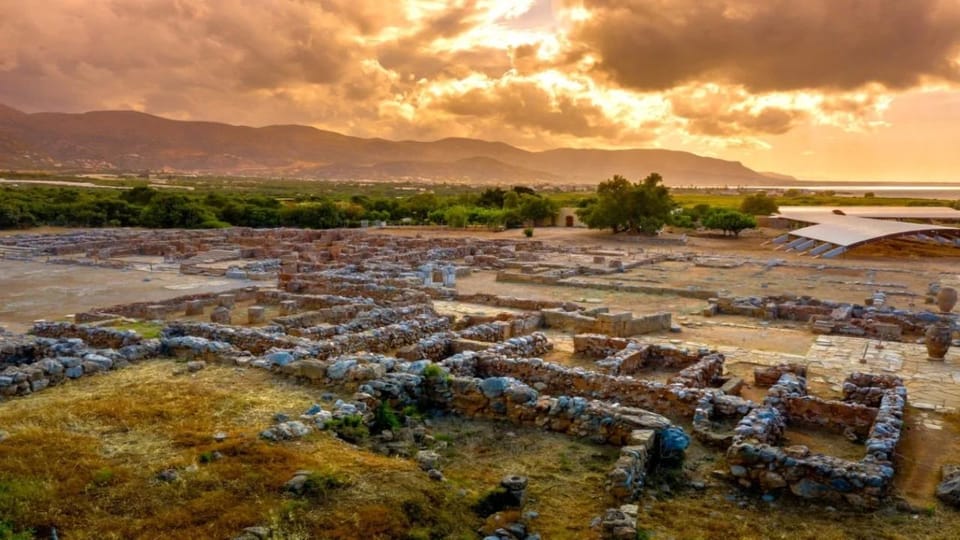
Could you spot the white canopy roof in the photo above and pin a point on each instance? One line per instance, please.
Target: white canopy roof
(820, 214)
(849, 231)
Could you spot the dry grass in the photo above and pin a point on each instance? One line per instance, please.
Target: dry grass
(83, 458)
(566, 476)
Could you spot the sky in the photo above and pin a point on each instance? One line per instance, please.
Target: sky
(818, 89)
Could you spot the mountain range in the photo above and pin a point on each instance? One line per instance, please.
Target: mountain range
(129, 141)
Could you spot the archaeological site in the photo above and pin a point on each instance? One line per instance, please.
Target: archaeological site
(517, 389)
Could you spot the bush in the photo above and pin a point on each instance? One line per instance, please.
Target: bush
(320, 484)
(729, 221)
(434, 371)
(386, 418)
(102, 477)
(350, 428)
(7, 532)
(759, 205)
(528, 232)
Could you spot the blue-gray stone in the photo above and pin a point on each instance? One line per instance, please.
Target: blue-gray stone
(494, 386)
(674, 439)
(280, 358)
(74, 372)
(339, 369)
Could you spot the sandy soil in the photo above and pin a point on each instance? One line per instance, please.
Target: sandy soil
(33, 290)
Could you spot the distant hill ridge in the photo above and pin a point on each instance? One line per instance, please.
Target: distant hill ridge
(134, 141)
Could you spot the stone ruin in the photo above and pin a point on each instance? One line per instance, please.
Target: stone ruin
(874, 320)
(356, 311)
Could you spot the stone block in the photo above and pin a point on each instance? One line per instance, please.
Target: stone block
(256, 314)
(194, 307)
(227, 300)
(221, 315)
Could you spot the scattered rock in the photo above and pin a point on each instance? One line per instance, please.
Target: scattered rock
(948, 490)
(168, 475)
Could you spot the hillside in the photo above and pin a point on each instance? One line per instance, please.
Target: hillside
(133, 141)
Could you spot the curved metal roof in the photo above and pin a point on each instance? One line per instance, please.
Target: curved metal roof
(848, 231)
(816, 214)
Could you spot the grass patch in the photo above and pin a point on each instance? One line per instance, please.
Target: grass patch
(146, 329)
(434, 371)
(83, 458)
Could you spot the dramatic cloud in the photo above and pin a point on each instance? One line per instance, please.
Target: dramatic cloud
(772, 44)
(760, 80)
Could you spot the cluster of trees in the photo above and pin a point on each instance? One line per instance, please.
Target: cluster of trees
(147, 207)
(646, 206)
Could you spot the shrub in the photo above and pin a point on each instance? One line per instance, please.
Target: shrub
(386, 418)
(7, 532)
(350, 428)
(528, 232)
(320, 484)
(434, 371)
(103, 477)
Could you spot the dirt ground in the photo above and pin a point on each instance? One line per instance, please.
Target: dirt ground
(36, 290)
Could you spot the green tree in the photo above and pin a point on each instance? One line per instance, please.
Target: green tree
(176, 211)
(534, 208)
(15, 216)
(759, 204)
(491, 198)
(624, 206)
(456, 216)
(312, 215)
(511, 199)
(139, 195)
(729, 221)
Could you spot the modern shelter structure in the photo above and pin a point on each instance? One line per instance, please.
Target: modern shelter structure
(831, 231)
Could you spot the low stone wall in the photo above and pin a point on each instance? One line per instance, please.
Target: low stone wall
(830, 414)
(756, 460)
(869, 389)
(368, 320)
(259, 341)
(527, 304)
(611, 324)
(272, 297)
(882, 322)
(497, 331)
(672, 400)
(96, 336)
(703, 374)
(69, 358)
(160, 308)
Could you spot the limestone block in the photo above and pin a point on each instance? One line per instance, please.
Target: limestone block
(256, 314)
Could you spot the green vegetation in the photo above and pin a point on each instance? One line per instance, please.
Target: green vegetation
(386, 418)
(320, 485)
(7, 532)
(103, 477)
(728, 221)
(350, 428)
(759, 204)
(146, 329)
(625, 207)
(144, 206)
(434, 371)
(207, 202)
